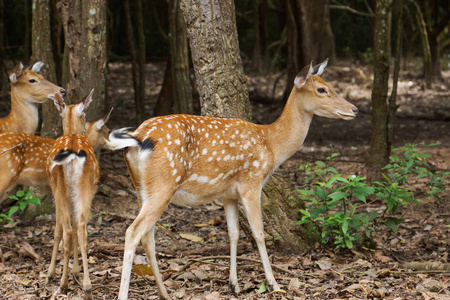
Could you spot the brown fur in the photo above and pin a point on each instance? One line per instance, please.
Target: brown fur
(197, 159)
(73, 184)
(25, 96)
(26, 163)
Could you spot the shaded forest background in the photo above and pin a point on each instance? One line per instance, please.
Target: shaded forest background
(276, 39)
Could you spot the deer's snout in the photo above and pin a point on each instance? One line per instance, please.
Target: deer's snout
(355, 110)
(63, 92)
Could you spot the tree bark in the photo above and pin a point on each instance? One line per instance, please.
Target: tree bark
(41, 46)
(179, 56)
(379, 150)
(84, 23)
(217, 62)
(223, 92)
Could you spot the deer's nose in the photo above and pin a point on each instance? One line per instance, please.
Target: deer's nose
(63, 92)
(355, 110)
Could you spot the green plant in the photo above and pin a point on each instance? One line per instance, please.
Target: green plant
(332, 203)
(22, 200)
(407, 161)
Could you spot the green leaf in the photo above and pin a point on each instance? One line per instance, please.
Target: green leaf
(20, 193)
(392, 223)
(348, 243)
(12, 210)
(338, 196)
(262, 288)
(321, 164)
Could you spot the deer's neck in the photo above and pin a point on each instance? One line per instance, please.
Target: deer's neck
(23, 116)
(287, 134)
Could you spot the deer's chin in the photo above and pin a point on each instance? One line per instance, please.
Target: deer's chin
(345, 116)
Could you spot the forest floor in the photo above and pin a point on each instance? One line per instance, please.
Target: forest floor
(199, 269)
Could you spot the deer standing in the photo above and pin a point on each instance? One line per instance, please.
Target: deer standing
(27, 90)
(74, 173)
(23, 156)
(196, 159)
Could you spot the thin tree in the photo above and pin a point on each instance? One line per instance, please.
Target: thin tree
(379, 148)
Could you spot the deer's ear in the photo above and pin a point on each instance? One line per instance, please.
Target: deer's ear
(37, 66)
(318, 69)
(100, 123)
(59, 103)
(83, 105)
(303, 75)
(16, 72)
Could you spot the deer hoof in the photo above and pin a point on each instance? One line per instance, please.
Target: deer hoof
(87, 295)
(234, 288)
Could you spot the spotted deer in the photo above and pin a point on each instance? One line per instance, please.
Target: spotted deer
(23, 156)
(27, 90)
(196, 159)
(73, 172)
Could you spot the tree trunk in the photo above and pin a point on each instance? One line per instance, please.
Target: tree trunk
(179, 56)
(165, 98)
(379, 150)
(141, 55)
(223, 92)
(134, 63)
(3, 71)
(84, 23)
(41, 47)
(309, 35)
(398, 50)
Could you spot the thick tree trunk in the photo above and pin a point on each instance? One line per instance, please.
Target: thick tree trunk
(84, 23)
(217, 62)
(179, 56)
(379, 150)
(41, 46)
(223, 92)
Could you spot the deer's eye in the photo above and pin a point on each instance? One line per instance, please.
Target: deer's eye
(321, 90)
(32, 81)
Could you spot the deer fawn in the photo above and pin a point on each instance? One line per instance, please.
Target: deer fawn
(196, 159)
(74, 173)
(27, 89)
(23, 156)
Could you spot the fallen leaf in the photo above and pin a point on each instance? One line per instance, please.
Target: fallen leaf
(381, 258)
(191, 237)
(200, 225)
(143, 270)
(215, 222)
(324, 264)
(25, 249)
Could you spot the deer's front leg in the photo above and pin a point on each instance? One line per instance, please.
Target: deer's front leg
(252, 206)
(232, 215)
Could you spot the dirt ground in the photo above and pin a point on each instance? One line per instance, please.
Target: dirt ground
(199, 269)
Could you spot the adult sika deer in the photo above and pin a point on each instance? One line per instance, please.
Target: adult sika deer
(73, 172)
(196, 159)
(27, 90)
